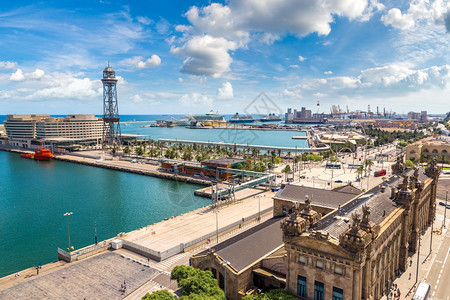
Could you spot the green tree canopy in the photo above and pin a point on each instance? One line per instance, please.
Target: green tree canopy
(196, 282)
(159, 295)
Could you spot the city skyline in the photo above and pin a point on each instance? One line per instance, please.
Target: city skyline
(173, 57)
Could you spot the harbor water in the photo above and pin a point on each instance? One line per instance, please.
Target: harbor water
(35, 195)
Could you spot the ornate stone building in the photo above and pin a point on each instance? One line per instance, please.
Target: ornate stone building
(356, 251)
(351, 251)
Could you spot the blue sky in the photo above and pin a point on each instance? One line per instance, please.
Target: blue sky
(197, 56)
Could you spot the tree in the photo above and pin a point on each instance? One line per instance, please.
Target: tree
(409, 163)
(159, 295)
(286, 171)
(126, 150)
(139, 151)
(367, 164)
(196, 284)
(359, 171)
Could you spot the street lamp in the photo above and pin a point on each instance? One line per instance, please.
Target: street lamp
(445, 210)
(68, 228)
(225, 263)
(217, 224)
(259, 208)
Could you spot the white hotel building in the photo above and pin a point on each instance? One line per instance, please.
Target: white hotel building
(27, 131)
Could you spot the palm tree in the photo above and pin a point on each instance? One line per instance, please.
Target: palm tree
(286, 171)
(367, 164)
(359, 171)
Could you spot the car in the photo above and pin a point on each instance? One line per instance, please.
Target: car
(442, 203)
(338, 181)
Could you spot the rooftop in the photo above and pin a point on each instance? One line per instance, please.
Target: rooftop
(246, 248)
(224, 161)
(320, 197)
(379, 203)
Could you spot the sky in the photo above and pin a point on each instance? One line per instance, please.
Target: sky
(246, 56)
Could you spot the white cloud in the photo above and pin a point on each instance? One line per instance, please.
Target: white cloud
(180, 79)
(419, 12)
(195, 99)
(137, 99)
(222, 28)
(37, 74)
(294, 66)
(396, 19)
(144, 20)
(301, 58)
(7, 65)
(328, 72)
(153, 61)
(17, 76)
(390, 81)
(205, 55)
(225, 92)
(137, 62)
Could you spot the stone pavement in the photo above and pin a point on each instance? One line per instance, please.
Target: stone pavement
(190, 226)
(98, 277)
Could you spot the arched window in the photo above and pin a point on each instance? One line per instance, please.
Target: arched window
(434, 151)
(425, 150)
(444, 152)
(412, 152)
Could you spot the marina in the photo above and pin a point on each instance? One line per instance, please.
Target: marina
(34, 200)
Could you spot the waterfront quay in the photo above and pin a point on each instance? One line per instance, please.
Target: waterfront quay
(99, 276)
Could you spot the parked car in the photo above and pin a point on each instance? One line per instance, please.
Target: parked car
(338, 181)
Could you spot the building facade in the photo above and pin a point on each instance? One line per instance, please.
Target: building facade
(438, 148)
(27, 131)
(355, 252)
(72, 126)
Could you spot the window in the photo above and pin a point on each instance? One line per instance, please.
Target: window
(412, 152)
(425, 150)
(444, 151)
(434, 151)
(338, 270)
(302, 259)
(318, 290)
(338, 294)
(301, 286)
(319, 264)
(214, 272)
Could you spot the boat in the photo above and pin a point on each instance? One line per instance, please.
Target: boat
(209, 117)
(270, 118)
(39, 154)
(241, 119)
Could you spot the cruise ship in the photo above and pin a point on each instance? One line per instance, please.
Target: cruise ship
(270, 118)
(241, 119)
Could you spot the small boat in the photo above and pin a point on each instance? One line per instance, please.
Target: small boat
(39, 154)
(270, 118)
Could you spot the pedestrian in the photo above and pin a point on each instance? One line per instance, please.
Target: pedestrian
(410, 263)
(37, 270)
(148, 259)
(121, 287)
(409, 276)
(124, 287)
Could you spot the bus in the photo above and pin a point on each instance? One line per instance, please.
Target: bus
(422, 292)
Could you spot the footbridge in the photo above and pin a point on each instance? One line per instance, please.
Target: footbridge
(246, 146)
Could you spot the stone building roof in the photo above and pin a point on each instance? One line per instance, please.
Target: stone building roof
(379, 203)
(324, 198)
(250, 246)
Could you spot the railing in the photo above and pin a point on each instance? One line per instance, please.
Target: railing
(76, 255)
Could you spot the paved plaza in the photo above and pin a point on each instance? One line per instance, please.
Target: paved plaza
(99, 277)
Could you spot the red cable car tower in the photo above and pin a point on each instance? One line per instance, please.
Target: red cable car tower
(111, 118)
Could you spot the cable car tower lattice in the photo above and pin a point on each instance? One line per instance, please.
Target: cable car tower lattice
(111, 118)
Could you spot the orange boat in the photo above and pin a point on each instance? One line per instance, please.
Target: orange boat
(39, 154)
